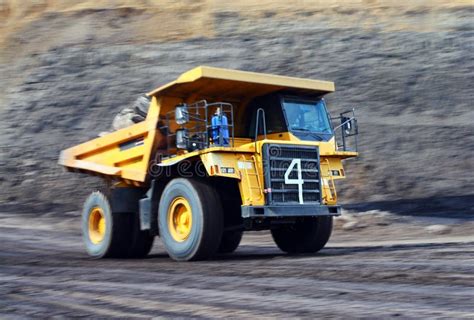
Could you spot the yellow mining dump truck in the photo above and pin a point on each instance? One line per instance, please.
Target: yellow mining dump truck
(218, 152)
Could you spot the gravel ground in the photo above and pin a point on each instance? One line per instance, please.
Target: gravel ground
(364, 272)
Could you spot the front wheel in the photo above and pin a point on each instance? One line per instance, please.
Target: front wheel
(230, 241)
(190, 219)
(307, 235)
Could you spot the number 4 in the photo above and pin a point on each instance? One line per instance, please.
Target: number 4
(299, 181)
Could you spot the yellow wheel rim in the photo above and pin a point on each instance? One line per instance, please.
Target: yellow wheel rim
(180, 219)
(96, 225)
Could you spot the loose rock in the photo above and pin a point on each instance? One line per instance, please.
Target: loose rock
(438, 229)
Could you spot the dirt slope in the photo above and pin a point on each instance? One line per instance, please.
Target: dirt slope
(69, 66)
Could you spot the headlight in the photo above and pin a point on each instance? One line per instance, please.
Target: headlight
(181, 114)
(181, 138)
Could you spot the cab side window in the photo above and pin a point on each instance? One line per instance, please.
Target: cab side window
(275, 121)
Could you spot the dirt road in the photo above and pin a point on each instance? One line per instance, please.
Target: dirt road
(44, 272)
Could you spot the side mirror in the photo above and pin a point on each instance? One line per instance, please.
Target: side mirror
(349, 126)
(181, 138)
(181, 114)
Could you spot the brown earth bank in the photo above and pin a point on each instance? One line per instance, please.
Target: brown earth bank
(69, 66)
(376, 265)
(402, 248)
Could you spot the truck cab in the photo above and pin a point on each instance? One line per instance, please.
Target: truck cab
(305, 117)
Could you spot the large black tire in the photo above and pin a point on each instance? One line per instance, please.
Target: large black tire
(307, 235)
(114, 240)
(198, 202)
(230, 241)
(141, 241)
(121, 236)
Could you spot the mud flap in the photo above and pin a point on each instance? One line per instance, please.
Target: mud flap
(145, 213)
(149, 208)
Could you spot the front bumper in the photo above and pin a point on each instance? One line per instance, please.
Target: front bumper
(290, 211)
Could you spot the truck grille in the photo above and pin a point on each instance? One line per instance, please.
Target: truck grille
(305, 164)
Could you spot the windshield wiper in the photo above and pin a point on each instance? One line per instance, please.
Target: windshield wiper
(317, 135)
(305, 131)
(300, 129)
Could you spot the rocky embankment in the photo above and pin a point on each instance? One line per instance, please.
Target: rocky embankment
(408, 69)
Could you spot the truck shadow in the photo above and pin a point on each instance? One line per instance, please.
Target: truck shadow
(448, 206)
(332, 251)
(249, 253)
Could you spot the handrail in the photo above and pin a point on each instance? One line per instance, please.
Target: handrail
(345, 135)
(198, 125)
(332, 191)
(253, 161)
(342, 124)
(260, 185)
(260, 110)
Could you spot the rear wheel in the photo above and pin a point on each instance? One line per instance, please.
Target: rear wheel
(111, 234)
(230, 241)
(104, 233)
(141, 241)
(190, 219)
(307, 235)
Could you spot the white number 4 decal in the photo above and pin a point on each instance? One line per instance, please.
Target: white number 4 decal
(299, 181)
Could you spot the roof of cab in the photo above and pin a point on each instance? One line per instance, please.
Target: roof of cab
(205, 82)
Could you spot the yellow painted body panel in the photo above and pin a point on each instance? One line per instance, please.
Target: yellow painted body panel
(104, 155)
(236, 85)
(247, 162)
(112, 156)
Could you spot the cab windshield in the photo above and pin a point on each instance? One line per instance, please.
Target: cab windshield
(307, 117)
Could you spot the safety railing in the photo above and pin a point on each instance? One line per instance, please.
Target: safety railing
(346, 131)
(329, 186)
(199, 125)
(260, 116)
